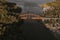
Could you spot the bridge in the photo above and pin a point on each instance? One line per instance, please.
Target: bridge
(30, 16)
(34, 17)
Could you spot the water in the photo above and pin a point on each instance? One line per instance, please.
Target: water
(36, 31)
(28, 30)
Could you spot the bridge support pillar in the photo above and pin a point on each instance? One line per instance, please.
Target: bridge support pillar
(43, 20)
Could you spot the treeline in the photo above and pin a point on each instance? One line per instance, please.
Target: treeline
(55, 13)
(8, 14)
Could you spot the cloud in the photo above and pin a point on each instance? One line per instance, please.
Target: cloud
(36, 1)
(22, 3)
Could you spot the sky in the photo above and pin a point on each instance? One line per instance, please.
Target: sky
(35, 9)
(35, 1)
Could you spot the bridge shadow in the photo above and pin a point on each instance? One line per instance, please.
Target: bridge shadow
(28, 30)
(36, 30)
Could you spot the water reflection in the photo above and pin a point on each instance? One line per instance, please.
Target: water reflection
(28, 30)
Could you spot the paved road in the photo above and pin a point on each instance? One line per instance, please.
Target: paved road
(28, 31)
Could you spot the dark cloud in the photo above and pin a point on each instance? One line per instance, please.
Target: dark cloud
(36, 1)
(25, 4)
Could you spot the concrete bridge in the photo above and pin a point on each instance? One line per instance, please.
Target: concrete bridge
(34, 17)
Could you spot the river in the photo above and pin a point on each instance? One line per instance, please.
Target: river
(28, 30)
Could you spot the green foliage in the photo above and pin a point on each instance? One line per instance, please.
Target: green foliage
(55, 13)
(7, 19)
(3, 1)
(4, 17)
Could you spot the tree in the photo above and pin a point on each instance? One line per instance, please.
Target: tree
(4, 17)
(3, 1)
(55, 12)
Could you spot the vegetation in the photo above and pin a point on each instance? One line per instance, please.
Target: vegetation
(8, 14)
(55, 13)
